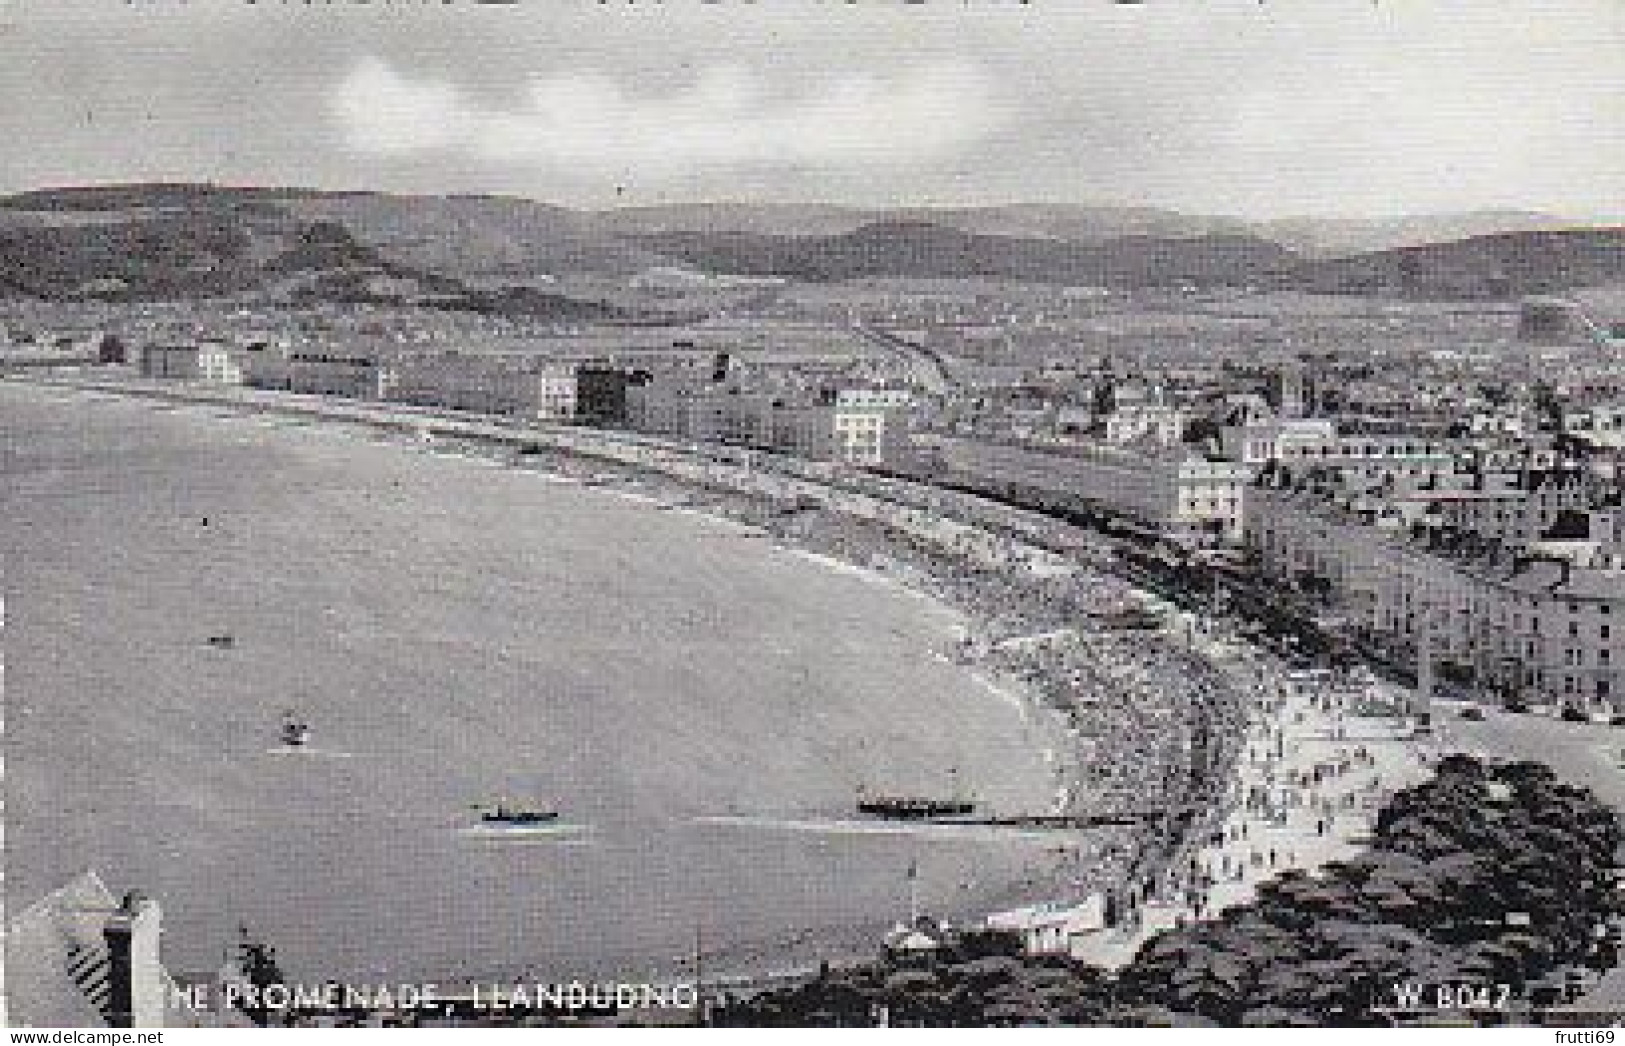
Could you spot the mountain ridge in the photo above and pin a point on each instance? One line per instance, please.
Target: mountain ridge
(1310, 235)
(198, 239)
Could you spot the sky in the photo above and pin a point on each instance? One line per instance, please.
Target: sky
(1259, 109)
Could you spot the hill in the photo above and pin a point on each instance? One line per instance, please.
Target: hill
(1311, 237)
(922, 249)
(1034, 221)
(462, 236)
(475, 236)
(194, 254)
(1499, 266)
(181, 240)
(1342, 237)
(767, 219)
(190, 241)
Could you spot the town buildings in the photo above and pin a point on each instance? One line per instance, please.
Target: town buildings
(1263, 440)
(1533, 619)
(220, 363)
(1065, 930)
(181, 362)
(1602, 424)
(855, 425)
(1183, 494)
(1155, 423)
(1316, 442)
(337, 372)
(522, 386)
(601, 392)
(211, 361)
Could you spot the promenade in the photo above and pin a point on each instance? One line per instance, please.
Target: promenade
(1313, 772)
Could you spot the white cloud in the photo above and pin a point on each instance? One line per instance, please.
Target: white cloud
(728, 118)
(386, 113)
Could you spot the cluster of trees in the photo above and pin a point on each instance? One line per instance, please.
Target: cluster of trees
(1487, 874)
(977, 978)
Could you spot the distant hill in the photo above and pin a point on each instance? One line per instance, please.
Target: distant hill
(463, 236)
(1310, 237)
(196, 254)
(769, 219)
(1342, 237)
(186, 240)
(923, 249)
(194, 241)
(1033, 221)
(1499, 266)
(147, 196)
(477, 235)
(1496, 266)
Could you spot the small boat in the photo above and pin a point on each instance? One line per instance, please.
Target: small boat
(508, 812)
(917, 807)
(913, 807)
(295, 731)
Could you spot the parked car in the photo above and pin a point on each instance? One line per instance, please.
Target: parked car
(1516, 706)
(1572, 714)
(1472, 712)
(1616, 720)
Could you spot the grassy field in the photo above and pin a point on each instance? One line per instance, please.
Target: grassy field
(456, 631)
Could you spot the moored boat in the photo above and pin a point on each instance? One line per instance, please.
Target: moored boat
(903, 807)
(913, 807)
(508, 812)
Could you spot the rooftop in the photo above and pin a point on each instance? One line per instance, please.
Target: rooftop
(41, 943)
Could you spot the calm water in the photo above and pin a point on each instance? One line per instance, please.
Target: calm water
(454, 632)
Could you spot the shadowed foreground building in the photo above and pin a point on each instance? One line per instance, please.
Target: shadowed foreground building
(81, 958)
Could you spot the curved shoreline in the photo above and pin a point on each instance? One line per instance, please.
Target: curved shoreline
(754, 500)
(910, 539)
(1137, 856)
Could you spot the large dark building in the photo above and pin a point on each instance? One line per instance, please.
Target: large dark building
(601, 393)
